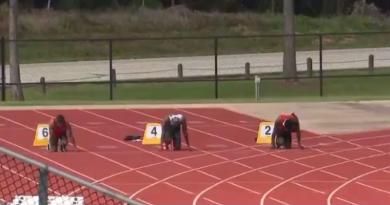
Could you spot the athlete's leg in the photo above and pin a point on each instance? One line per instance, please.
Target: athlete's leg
(176, 139)
(287, 141)
(166, 139)
(53, 144)
(63, 143)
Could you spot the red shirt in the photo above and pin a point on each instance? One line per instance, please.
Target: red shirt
(59, 130)
(282, 118)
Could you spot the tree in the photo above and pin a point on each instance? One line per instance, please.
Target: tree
(16, 87)
(289, 56)
(48, 5)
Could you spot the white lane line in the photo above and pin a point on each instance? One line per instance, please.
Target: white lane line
(179, 188)
(144, 202)
(269, 174)
(305, 165)
(95, 123)
(279, 201)
(215, 120)
(330, 196)
(244, 188)
(333, 174)
(375, 188)
(210, 175)
(212, 201)
(346, 201)
(365, 165)
(307, 187)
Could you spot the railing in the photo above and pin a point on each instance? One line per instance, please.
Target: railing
(115, 63)
(26, 181)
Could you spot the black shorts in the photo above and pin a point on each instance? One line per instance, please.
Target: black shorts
(172, 133)
(284, 141)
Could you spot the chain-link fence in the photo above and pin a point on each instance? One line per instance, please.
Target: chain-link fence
(24, 181)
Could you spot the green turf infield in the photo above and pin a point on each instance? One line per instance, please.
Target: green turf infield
(347, 87)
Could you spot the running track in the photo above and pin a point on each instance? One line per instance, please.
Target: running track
(226, 167)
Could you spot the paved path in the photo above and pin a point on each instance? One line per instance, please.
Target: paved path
(198, 65)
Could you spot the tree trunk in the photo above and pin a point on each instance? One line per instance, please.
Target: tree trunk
(340, 7)
(16, 87)
(289, 56)
(172, 3)
(48, 5)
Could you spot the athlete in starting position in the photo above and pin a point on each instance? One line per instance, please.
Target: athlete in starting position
(171, 126)
(60, 133)
(285, 125)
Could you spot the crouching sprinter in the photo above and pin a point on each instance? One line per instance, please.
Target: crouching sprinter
(284, 126)
(172, 126)
(60, 133)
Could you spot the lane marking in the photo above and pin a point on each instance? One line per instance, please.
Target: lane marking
(339, 140)
(279, 201)
(272, 175)
(346, 201)
(212, 201)
(216, 146)
(191, 128)
(107, 147)
(216, 120)
(95, 123)
(333, 174)
(371, 187)
(144, 202)
(330, 196)
(244, 188)
(308, 188)
(179, 188)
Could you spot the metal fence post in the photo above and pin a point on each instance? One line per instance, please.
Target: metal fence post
(371, 64)
(180, 70)
(247, 70)
(216, 66)
(43, 84)
(43, 186)
(321, 73)
(3, 90)
(309, 64)
(110, 71)
(257, 87)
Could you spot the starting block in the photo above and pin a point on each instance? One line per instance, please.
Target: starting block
(42, 135)
(264, 135)
(152, 134)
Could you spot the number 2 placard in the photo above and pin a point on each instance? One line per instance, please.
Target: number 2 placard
(264, 135)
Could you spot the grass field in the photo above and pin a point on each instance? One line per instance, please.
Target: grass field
(356, 88)
(146, 23)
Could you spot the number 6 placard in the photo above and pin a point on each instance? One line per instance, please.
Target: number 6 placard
(264, 135)
(42, 135)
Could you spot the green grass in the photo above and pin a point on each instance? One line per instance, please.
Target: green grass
(159, 23)
(278, 90)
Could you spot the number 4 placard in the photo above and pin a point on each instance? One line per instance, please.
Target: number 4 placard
(264, 135)
(42, 135)
(152, 134)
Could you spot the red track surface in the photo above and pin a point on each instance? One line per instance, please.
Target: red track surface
(226, 167)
